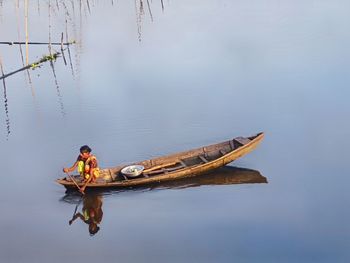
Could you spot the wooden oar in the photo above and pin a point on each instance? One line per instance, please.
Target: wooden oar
(76, 208)
(75, 183)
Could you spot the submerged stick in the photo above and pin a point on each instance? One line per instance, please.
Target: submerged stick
(58, 91)
(69, 55)
(149, 10)
(26, 29)
(21, 51)
(64, 58)
(18, 33)
(7, 121)
(88, 5)
(38, 3)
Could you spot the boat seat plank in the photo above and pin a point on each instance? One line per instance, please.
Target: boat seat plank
(164, 170)
(175, 168)
(203, 158)
(232, 145)
(183, 163)
(157, 167)
(242, 140)
(153, 172)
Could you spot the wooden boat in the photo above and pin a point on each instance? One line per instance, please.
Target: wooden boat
(175, 166)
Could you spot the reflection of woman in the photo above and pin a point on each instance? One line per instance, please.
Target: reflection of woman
(91, 212)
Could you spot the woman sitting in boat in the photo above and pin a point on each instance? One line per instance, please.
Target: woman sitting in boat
(86, 165)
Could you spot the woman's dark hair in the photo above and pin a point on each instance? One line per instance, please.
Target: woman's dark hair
(93, 229)
(85, 149)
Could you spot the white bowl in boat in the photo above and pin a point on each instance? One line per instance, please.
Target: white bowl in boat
(133, 170)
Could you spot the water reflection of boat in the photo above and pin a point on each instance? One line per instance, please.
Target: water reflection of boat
(91, 212)
(176, 166)
(226, 175)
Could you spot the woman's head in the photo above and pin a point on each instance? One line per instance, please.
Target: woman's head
(85, 151)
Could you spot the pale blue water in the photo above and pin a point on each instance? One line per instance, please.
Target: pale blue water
(203, 72)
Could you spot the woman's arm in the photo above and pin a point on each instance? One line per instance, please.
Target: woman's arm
(71, 169)
(75, 217)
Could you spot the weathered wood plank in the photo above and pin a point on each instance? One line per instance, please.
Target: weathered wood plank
(165, 170)
(242, 140)
(203, 158)
(222, 152)
(232, 145)
(183, 163)
(157, 167)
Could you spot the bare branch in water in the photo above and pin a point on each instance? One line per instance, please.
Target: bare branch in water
(88, 5)
(50, 26)
(58, 91)
(7, 121)
(26, 28)
(21, 52)
(69, 54)
(64, 58)
(58, 7)
(139, 13)
(38, 3)
(149, 9)
(18, 32)
(35, 43)
(33, 65)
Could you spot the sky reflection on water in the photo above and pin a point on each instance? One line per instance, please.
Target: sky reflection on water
(202, 73)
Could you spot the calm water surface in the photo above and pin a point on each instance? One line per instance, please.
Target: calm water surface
(199, 73)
